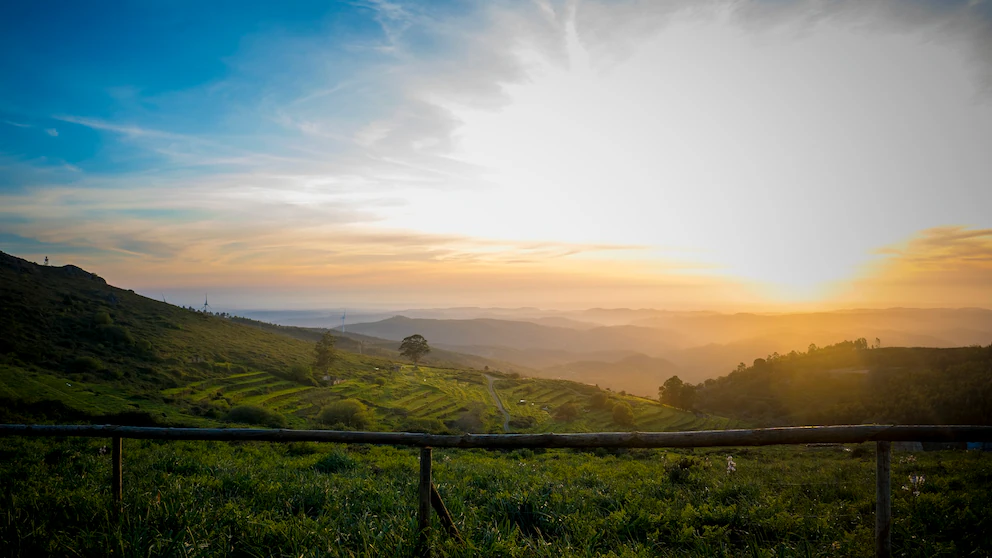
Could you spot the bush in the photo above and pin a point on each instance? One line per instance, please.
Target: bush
(623, 414)
(102, 318)
(252, 414)
(85, 364)
(301, 373)
(349, 412)
(599, 400)
(523, 422)
(116, 334)
(567, 412)
(425, 425)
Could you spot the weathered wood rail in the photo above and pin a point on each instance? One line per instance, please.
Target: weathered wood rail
(882, 435)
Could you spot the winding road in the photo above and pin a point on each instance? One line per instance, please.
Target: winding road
(499, 404)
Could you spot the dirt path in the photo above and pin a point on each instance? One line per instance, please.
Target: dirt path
(499, 404)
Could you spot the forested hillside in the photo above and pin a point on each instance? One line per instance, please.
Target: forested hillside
(850, 383)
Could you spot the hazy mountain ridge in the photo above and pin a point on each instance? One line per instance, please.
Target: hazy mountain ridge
(700, 345)
(519, 335)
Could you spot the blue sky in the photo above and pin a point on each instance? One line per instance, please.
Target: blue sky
(754, 154)
(183, 68)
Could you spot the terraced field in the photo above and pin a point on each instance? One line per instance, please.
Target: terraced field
(539, 398)
(401, 398)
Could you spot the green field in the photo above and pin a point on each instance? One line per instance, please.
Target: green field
(260, 499)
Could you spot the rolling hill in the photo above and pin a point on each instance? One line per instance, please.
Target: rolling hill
(73, 348)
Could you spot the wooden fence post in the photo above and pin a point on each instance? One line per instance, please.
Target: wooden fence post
(117, 486)
(883, 499)
(442, 513)
(424, 511)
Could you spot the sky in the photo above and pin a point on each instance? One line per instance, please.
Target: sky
(705, 154)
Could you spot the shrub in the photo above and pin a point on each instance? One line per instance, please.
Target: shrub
(301, 373)
(567, 412)
(623, 414)
(599, 400)
(523, 422)
(102, 318)
(85, 364)
(349, 412)
(116, 334)
(425, 425)
(253, 414)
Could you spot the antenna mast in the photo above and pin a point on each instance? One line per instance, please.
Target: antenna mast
(206, 305)
(343, 314)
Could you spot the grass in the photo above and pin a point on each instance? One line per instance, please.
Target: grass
(258, 499)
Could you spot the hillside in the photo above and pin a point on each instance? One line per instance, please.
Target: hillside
(73, 348)
(849, 384)
(385, 348)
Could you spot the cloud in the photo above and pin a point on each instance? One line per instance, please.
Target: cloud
(310, 158)
(52, 132)
(941, 266)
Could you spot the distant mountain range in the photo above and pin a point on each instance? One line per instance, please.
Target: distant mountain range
(693, 345)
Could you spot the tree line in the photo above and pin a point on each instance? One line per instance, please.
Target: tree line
(851, 382)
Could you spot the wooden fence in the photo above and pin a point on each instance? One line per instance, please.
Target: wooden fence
(429, 498)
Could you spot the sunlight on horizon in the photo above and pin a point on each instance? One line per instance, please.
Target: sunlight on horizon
(726, 155)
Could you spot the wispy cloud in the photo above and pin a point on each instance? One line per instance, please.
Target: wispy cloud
(313, 154)
(942, 266)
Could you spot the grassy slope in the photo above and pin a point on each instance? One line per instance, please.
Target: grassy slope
(160, 363)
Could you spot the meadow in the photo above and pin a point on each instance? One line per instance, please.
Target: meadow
(308, 499)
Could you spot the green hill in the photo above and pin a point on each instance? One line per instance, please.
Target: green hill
(850, 383)
(73, 348)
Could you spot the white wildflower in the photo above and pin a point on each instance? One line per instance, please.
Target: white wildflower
(731, 465)
(916, 481)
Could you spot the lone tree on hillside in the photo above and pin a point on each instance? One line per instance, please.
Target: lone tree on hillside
(677, 394)
(324, 353)
(414, 347)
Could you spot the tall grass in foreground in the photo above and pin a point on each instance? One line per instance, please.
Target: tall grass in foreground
(305, 499)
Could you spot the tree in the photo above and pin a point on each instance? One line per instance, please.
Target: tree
(324, 353)
(623, 414)
(414, 347)
(567, 412)
(677, 394)
(670, 393)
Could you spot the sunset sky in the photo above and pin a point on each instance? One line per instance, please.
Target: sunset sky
(759, 155)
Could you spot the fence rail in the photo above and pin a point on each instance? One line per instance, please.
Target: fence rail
(699, 438)
(428, 497)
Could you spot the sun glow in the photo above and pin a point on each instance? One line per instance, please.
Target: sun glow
(758, 155)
